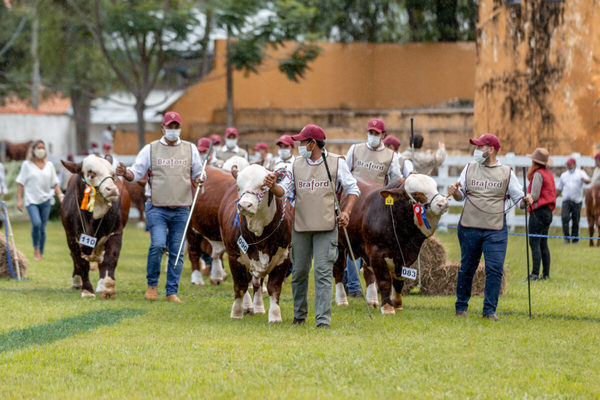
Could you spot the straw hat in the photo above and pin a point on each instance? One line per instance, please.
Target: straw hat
(541, 156)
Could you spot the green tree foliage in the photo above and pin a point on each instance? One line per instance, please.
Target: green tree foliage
(14, 51)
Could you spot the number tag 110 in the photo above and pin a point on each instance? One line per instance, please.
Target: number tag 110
(87, 240)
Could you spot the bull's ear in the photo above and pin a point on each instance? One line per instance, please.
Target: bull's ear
(234, 171)
(396, 193)
(419, 197)
(73, 167)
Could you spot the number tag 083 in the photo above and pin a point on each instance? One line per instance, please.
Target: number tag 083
(87, 240)
(242, 244)
(409, 273)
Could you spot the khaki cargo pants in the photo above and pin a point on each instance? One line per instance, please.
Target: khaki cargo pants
(322, 246)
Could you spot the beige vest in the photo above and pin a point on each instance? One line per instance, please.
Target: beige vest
(371, 164)
(486, 189)
(315, 203)
(224, 155)
(171, 174)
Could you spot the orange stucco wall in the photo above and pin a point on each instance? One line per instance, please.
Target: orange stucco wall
(356, 76)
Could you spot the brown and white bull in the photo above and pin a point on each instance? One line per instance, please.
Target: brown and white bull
(105, 223)
(266, 229)
(592, 211)
(388, 237)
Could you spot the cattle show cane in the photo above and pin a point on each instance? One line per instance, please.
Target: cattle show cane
(337, 213)
(527, 243)
(187, 223)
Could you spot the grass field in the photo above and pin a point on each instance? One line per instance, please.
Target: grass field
(53, 344)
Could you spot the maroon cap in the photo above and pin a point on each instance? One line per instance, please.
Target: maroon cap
(571, 161)
(376, 124)
(93, 145)
(597, 156)
(392, 141)
(231, 131)
(310, 131)
(106, 146)
(216, 139)
(286, 139)
(171, 116)
(203, 144)
(261, 146)
(487, 140)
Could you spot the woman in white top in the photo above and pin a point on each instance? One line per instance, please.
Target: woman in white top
(37, 178)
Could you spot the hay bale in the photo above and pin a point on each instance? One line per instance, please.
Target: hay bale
(438, 276)
(23, 263)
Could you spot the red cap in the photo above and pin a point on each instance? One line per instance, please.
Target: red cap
(286, 139)
(310, 131)
(571, 161)
(376, 124)
(261, 146)
(392, 141)
(231, 131)
(597, 156)
(171, 116)
(216, 139)
(106, 146)
(203, 144)
(487, 140)
(93, 145)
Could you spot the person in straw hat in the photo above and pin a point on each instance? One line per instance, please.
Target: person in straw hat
(542, 190)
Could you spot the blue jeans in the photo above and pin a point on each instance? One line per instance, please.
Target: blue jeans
(473, 242)
(350, 276)
(166, 227)
(38, 215)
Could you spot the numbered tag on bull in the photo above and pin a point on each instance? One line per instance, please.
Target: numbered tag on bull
(241, 242)
(87, 240)
(409, 273)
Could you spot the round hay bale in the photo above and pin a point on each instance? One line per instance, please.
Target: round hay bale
(23, 263)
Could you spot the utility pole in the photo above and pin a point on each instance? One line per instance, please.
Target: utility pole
(35, 84)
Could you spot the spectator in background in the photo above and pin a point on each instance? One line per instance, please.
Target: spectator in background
(570, 185)
(285, 145)
(107, 150)
(37, 178)
(542, 190)
(596, 174)
(217, 142)
(392, 142)
(108, 135)
(425, 162)
(231, 147)
(262, 155)
(94, 149)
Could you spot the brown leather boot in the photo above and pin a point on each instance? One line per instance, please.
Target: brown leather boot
(151, 293)
(173, 298)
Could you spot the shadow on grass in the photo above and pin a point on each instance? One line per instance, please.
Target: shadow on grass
(63, 328)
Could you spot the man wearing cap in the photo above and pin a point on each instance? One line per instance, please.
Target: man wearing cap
(314, 233)
(596, 173)
(570, 185)
(171, 164)
(484, 184)
(392, 143)
(425, 162)
(285, 145)
(231, 147)
(107, 150)
(262, 155)
(373, 161)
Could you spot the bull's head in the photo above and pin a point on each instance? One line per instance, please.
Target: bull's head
(254, 201)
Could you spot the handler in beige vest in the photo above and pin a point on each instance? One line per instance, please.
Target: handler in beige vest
(231, 147)
(314, 233)
(171, 164)
(484, 185)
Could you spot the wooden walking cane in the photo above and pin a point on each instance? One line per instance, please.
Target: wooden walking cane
(527, 242)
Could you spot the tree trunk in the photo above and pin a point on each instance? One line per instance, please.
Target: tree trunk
(81, 103)
(35, 84)
(140, 106)
(230, 121)
(205, 42)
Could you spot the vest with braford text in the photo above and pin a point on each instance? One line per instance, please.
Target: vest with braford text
(171, 174)
(371, 164)
(224, 155)
(486, 189)
(315, 204)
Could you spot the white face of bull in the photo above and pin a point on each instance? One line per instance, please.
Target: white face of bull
(99, 173)
(417, 184)
(249, 185)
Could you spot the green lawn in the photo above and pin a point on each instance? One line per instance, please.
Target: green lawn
(54, 344)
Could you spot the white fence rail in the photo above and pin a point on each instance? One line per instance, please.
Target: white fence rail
(517, 163)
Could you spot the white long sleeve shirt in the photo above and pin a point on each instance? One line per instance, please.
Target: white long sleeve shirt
(515, 190)
(393, 173)
(571, 184)
(37, 183)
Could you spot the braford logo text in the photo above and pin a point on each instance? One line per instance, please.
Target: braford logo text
(312, 185)
(171, 162)
(487, 184)
(370, 165)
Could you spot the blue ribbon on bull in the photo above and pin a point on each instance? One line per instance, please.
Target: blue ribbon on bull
(419, 211)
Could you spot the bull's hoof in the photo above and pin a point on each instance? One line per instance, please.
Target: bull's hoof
(108, 296)
(259, 310)
(87, 294)
(77, 282)
(93, 266)
(387, 309)
(372, 300)
(197, 278)
(215, 282)
(236, 310)
(340, 295)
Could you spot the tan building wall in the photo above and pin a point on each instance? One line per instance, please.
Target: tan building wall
(345, 77)
(538, 75)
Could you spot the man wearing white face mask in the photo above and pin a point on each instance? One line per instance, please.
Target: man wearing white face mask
(373, 161)
(231, 147)
(171, 164)
(485, 184)
(284, 144)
